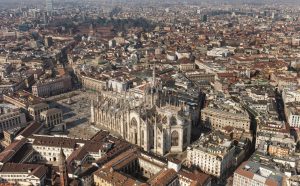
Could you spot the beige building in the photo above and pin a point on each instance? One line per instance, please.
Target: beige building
(9, 136)
(48, 147)
(186, 65)
(92, 83)
(46, 88)
(12, 85)
(217, 119)
(11, 120)
(129, 167)
(200, 75)
(290, 95)
(292, 113)
(52, 117)
(35, 110)
(252, 173)
(23, 174)
(77, 151)
(279, 150)
(212, 155)
(21, 99)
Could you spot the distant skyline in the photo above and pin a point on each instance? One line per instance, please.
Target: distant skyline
(165, 1)
(294, 4)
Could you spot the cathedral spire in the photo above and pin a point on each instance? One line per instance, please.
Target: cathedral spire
(98, 98)
(145, 94)
(92, 112)
(153, 76)
(160, 103)
(153, 85)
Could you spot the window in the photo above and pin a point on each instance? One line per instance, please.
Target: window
(174, 138)
(142, 137)
(133, 122)
(164, 120)
(173, 120)
(185, 136)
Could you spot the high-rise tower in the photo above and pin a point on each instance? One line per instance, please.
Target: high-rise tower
(153, 76)
(49, 6)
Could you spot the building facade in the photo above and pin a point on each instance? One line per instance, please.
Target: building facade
(49, 147)
(36, 109)
(252, 173)
(52, 87)
(217, 119)
(290, 95)
(23, 174)
(130, 166)
(12, 120)
(212, 155)
(292, 114)
(49, 6)
(52, 117)
(92, 83)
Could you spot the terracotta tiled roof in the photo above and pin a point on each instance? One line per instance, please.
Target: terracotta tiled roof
(164, 177)
(30, 129)
(11, 150)
(35, 170)
(57, 141)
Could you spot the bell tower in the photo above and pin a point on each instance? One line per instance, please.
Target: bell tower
(63, 169)
(153, 76)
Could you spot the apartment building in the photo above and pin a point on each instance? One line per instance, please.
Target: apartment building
(217, 119)
(36, 109)
(52, 117)
(11, 120)
(252, 173)
(92, 83)
(292, 114)
(50, 87)
(23, 174)
(212, 155)
(130, 166)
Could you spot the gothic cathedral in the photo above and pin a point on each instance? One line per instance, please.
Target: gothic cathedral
(147, 121)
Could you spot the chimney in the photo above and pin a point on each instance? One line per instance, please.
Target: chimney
(29, 170)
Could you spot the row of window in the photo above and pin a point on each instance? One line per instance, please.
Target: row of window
(10, 123)
(14, 175)
(9, 116)
(56, 116)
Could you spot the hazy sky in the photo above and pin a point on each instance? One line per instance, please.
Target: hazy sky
(227, 1)
(271, 2)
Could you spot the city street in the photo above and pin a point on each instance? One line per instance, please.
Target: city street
(280, 107)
